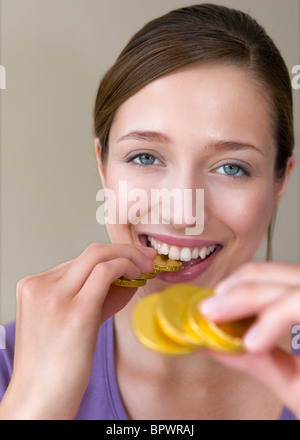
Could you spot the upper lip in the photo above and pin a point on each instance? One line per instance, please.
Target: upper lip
(180, 241)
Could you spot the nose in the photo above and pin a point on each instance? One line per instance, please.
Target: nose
(182, 203)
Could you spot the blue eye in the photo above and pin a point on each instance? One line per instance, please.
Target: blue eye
(231, 170)
(145, 159)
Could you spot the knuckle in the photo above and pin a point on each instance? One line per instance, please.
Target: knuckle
(28, 286)
(94, 251)
(37, 293)
(102, 269)
(94, 247)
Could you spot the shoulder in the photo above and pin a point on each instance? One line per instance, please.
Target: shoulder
(7, 345)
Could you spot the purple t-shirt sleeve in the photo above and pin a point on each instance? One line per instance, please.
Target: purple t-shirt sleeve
(6, 357)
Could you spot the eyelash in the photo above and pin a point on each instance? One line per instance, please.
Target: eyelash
(245, 170)
(141, 165)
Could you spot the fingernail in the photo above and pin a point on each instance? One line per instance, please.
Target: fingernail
(222, 288)
(149, 250)
(251, 339)
(211, 307)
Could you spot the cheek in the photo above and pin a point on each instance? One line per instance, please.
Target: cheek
(119, 233)
(126, 206)
(246, 212)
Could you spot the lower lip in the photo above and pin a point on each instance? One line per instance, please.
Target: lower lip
(190, 273)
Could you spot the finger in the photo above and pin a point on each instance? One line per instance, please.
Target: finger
(100, 253)
(278, 370)
(261, 272)
(241, 301)
(104, 274)
(94, 292)
(273, 322)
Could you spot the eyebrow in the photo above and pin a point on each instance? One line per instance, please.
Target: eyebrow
(214, 145)
(148, 136)
(219, 145)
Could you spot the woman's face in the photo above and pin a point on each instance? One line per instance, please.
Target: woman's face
(202, 127)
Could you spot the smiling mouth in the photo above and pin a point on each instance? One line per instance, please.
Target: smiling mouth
(189, 256)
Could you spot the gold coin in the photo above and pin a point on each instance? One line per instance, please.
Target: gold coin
(201, 327)
(225, 337)
(172, 313)
(125, 282)
(146, 329)
(234, 331)
(170, 323)
(161, 264)
(164, 264)
(147, 276)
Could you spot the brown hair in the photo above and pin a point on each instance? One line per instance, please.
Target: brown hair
(200, 34)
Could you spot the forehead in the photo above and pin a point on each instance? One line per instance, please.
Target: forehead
(198, 102)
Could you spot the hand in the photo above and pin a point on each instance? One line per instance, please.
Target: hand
(271, 291)
(59, 313)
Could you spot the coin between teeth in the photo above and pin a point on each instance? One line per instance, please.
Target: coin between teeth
(161, 264)
(164, 264)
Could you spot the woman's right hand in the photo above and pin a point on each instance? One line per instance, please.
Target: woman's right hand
(59, 313)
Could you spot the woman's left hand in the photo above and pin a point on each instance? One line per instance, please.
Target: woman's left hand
(271, 292)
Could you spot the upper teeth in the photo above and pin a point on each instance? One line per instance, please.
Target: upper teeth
(178, 253)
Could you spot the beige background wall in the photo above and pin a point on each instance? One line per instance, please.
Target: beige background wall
(54, 52)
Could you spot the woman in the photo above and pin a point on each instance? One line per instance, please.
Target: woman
(191, 103)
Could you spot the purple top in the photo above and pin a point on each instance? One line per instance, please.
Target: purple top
(101, 400)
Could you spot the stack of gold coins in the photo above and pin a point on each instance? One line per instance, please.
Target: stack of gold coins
(161, 264)
(164, 264)
(169, 322)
